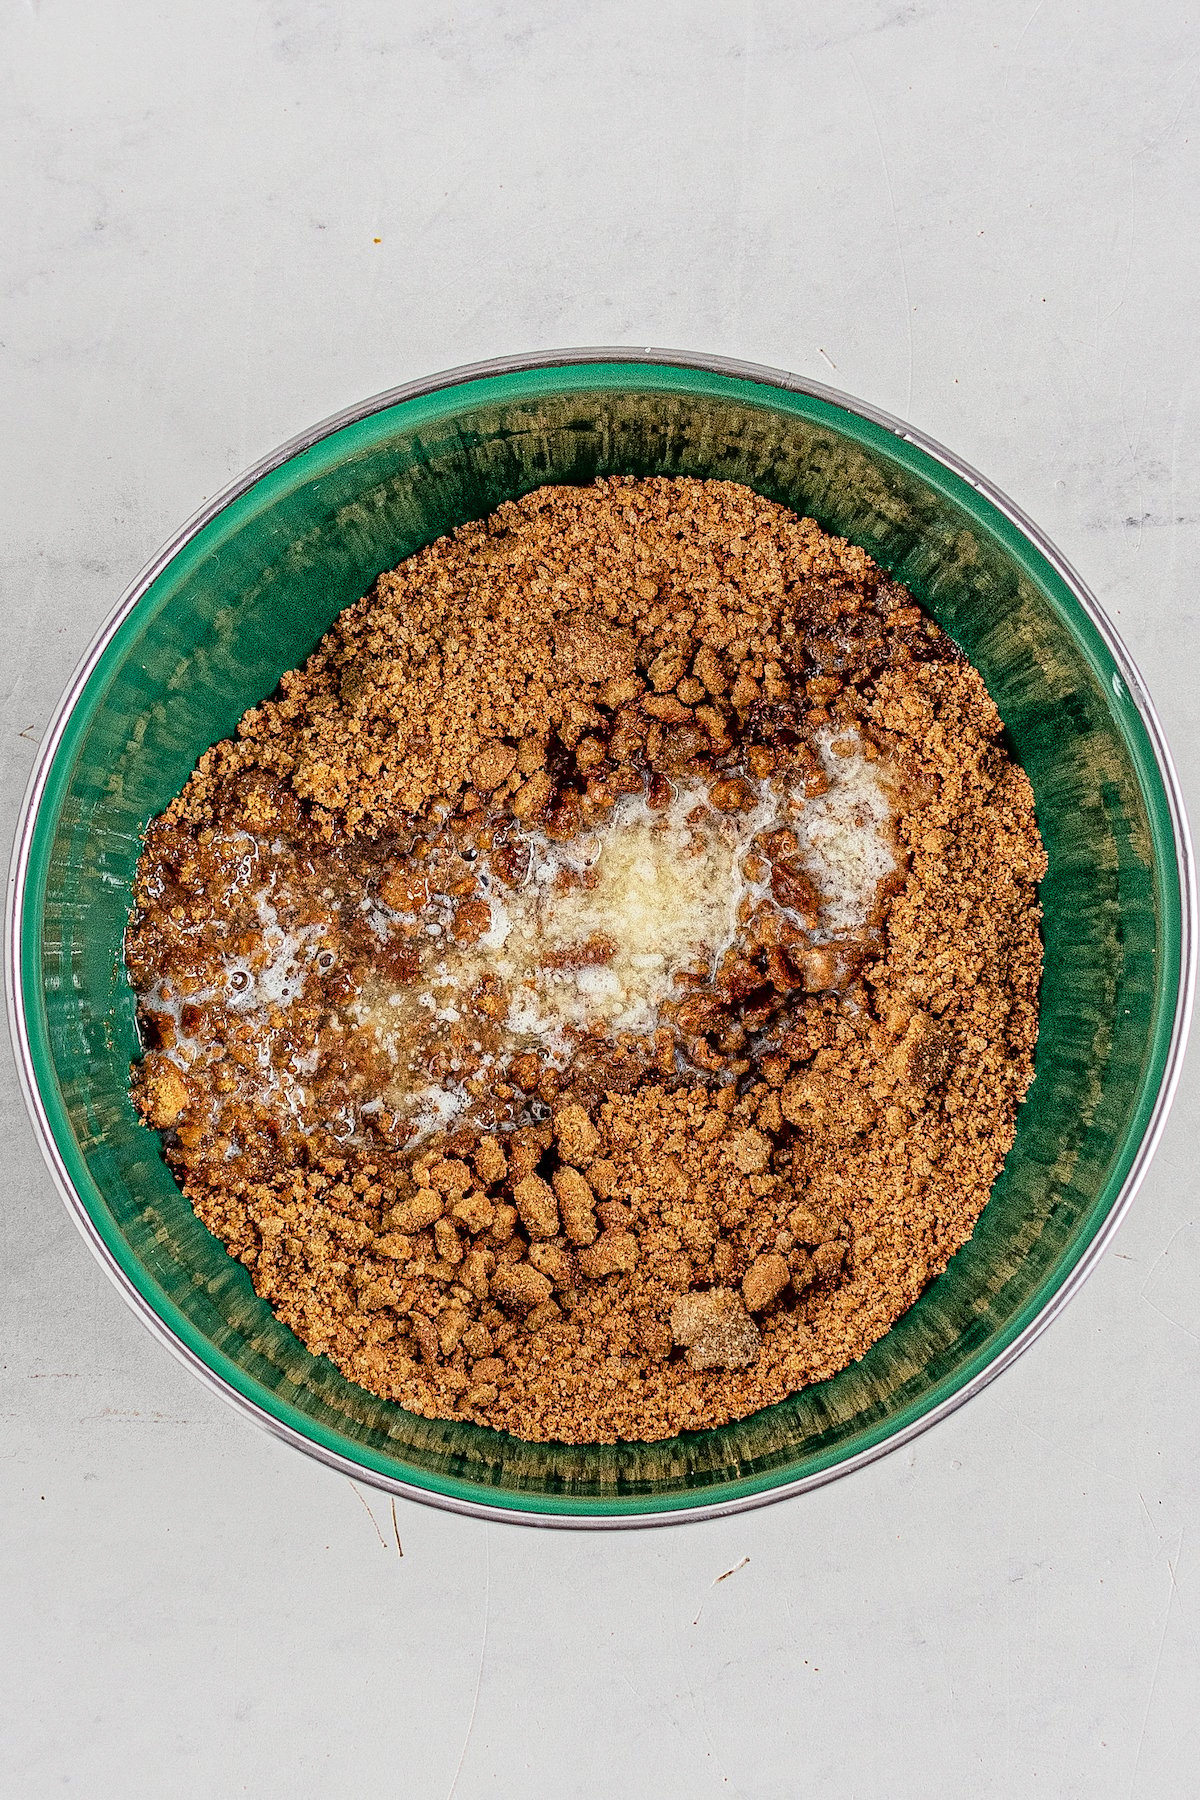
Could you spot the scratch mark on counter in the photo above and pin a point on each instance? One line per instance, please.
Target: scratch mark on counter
(1187, 1225)
(1167, 1316)
(487, 1614)
(697, 1710)
(887, 176)
(1155, 1532)
(1024, 34)
(1162, 1640)
(1132, 238)
(1164, 1251)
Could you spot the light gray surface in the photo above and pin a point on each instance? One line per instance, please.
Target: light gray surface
(221, 222)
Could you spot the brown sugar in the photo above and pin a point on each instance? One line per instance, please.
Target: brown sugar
(593, 995)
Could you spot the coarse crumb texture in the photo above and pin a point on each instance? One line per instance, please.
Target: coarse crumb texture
(593, 996)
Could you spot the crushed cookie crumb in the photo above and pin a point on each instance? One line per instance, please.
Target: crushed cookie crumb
(592, 996)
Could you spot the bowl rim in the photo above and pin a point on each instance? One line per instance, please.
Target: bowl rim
(647, 356)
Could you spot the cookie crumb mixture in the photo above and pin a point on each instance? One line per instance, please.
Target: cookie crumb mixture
(592, 996)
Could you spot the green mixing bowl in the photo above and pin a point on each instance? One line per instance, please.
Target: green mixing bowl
(244, 592)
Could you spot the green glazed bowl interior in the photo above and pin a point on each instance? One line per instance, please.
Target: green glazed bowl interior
(243, 595)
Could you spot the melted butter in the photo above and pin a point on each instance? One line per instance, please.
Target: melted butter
(846, 834)
(663, 892)
(592, 940)
(596, 935)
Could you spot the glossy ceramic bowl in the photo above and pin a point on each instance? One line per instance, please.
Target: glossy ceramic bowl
(245, 590)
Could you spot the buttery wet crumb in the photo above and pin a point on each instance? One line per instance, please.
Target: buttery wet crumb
(592, 997)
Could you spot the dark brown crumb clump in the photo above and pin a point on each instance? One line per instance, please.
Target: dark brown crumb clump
(656, 1232)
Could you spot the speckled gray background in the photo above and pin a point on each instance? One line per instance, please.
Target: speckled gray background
(220, 222)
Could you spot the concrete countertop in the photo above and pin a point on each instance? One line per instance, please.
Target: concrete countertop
(222, 222)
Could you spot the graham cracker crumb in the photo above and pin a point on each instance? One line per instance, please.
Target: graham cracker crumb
(593, 995)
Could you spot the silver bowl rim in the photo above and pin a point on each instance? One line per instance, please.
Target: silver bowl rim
(455, 377)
